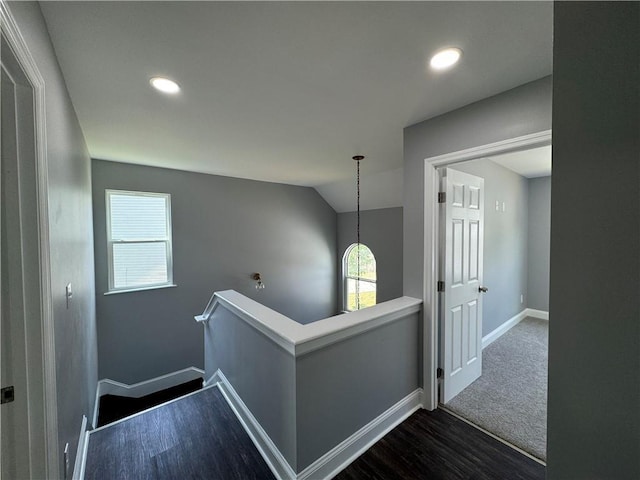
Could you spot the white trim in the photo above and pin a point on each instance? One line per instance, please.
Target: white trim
(141, 289)
(167, 240)
(83, 463)
(173, 400)
(430, 294)
(276, 461)
(298, 339)
(336, 459)
(431, 244)
(46, 365)
(491, 337)
(81, 452)
(541, 314)
(388, 312)
(140, 389)
(272, 324)
(213, 380)
(342, 455)
(96, 406)
(532, 140)
(146, 387)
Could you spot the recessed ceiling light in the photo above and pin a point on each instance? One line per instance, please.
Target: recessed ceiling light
(164, 85)
(445, 58)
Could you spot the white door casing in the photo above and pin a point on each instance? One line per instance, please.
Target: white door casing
(14, 457)
(27, 304)
(431, 245)
(462, 215)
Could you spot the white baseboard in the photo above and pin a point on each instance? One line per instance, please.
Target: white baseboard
(502, 329)
(96, 406)
(541, 314)
(81, 452)
(213, 380)
(512, 322)
(276, 461)
(336, 459)
(140, 389)
(342, 455)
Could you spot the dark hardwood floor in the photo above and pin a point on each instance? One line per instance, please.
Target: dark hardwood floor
(438, 446)
(199, 437)
(196, 437)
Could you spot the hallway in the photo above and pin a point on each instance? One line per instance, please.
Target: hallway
(198, 436)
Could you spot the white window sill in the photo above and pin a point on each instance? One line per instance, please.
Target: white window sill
(139, 289)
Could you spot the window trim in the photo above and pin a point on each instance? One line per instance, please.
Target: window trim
(346, 277)
(168, 241)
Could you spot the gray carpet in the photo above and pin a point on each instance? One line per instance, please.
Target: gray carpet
(510, 398)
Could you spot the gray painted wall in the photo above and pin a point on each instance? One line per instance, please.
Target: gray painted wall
(538, 244)
(70, 236)
(341, 388)
(520, 111)
(381, 231)
(261, 372)
(311, 403)
(224, 229)
(594, 334)
(505, 241)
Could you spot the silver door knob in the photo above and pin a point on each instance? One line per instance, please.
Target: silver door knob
(483, 289)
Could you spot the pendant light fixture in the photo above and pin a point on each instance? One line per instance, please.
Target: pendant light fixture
(357, 159)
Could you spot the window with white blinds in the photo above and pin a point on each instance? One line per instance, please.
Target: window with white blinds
(139, 240)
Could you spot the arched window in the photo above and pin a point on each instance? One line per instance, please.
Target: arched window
(359, 280)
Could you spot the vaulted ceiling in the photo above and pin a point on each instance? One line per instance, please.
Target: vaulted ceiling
(284, 91)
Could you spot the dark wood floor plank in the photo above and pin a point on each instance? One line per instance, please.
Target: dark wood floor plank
(195, 437)
(438, 446)
(199, 437)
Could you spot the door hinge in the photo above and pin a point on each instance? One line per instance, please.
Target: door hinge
(7, 395)
(440, 286)
(439, 373)
(442, 197)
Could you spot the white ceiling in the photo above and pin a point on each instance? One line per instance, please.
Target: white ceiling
(377, 190)
(284, 91)
(528, 163)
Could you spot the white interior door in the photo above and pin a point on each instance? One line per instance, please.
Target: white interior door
(462, 231)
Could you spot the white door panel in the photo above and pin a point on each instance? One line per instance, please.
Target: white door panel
(461, 270)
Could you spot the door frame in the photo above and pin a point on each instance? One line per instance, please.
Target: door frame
(41, 362)
(432, 245)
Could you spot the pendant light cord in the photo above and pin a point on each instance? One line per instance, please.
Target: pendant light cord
(357, 159)
(358, 234)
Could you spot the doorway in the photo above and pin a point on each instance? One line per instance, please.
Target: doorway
(432, 244)
(509, 398)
